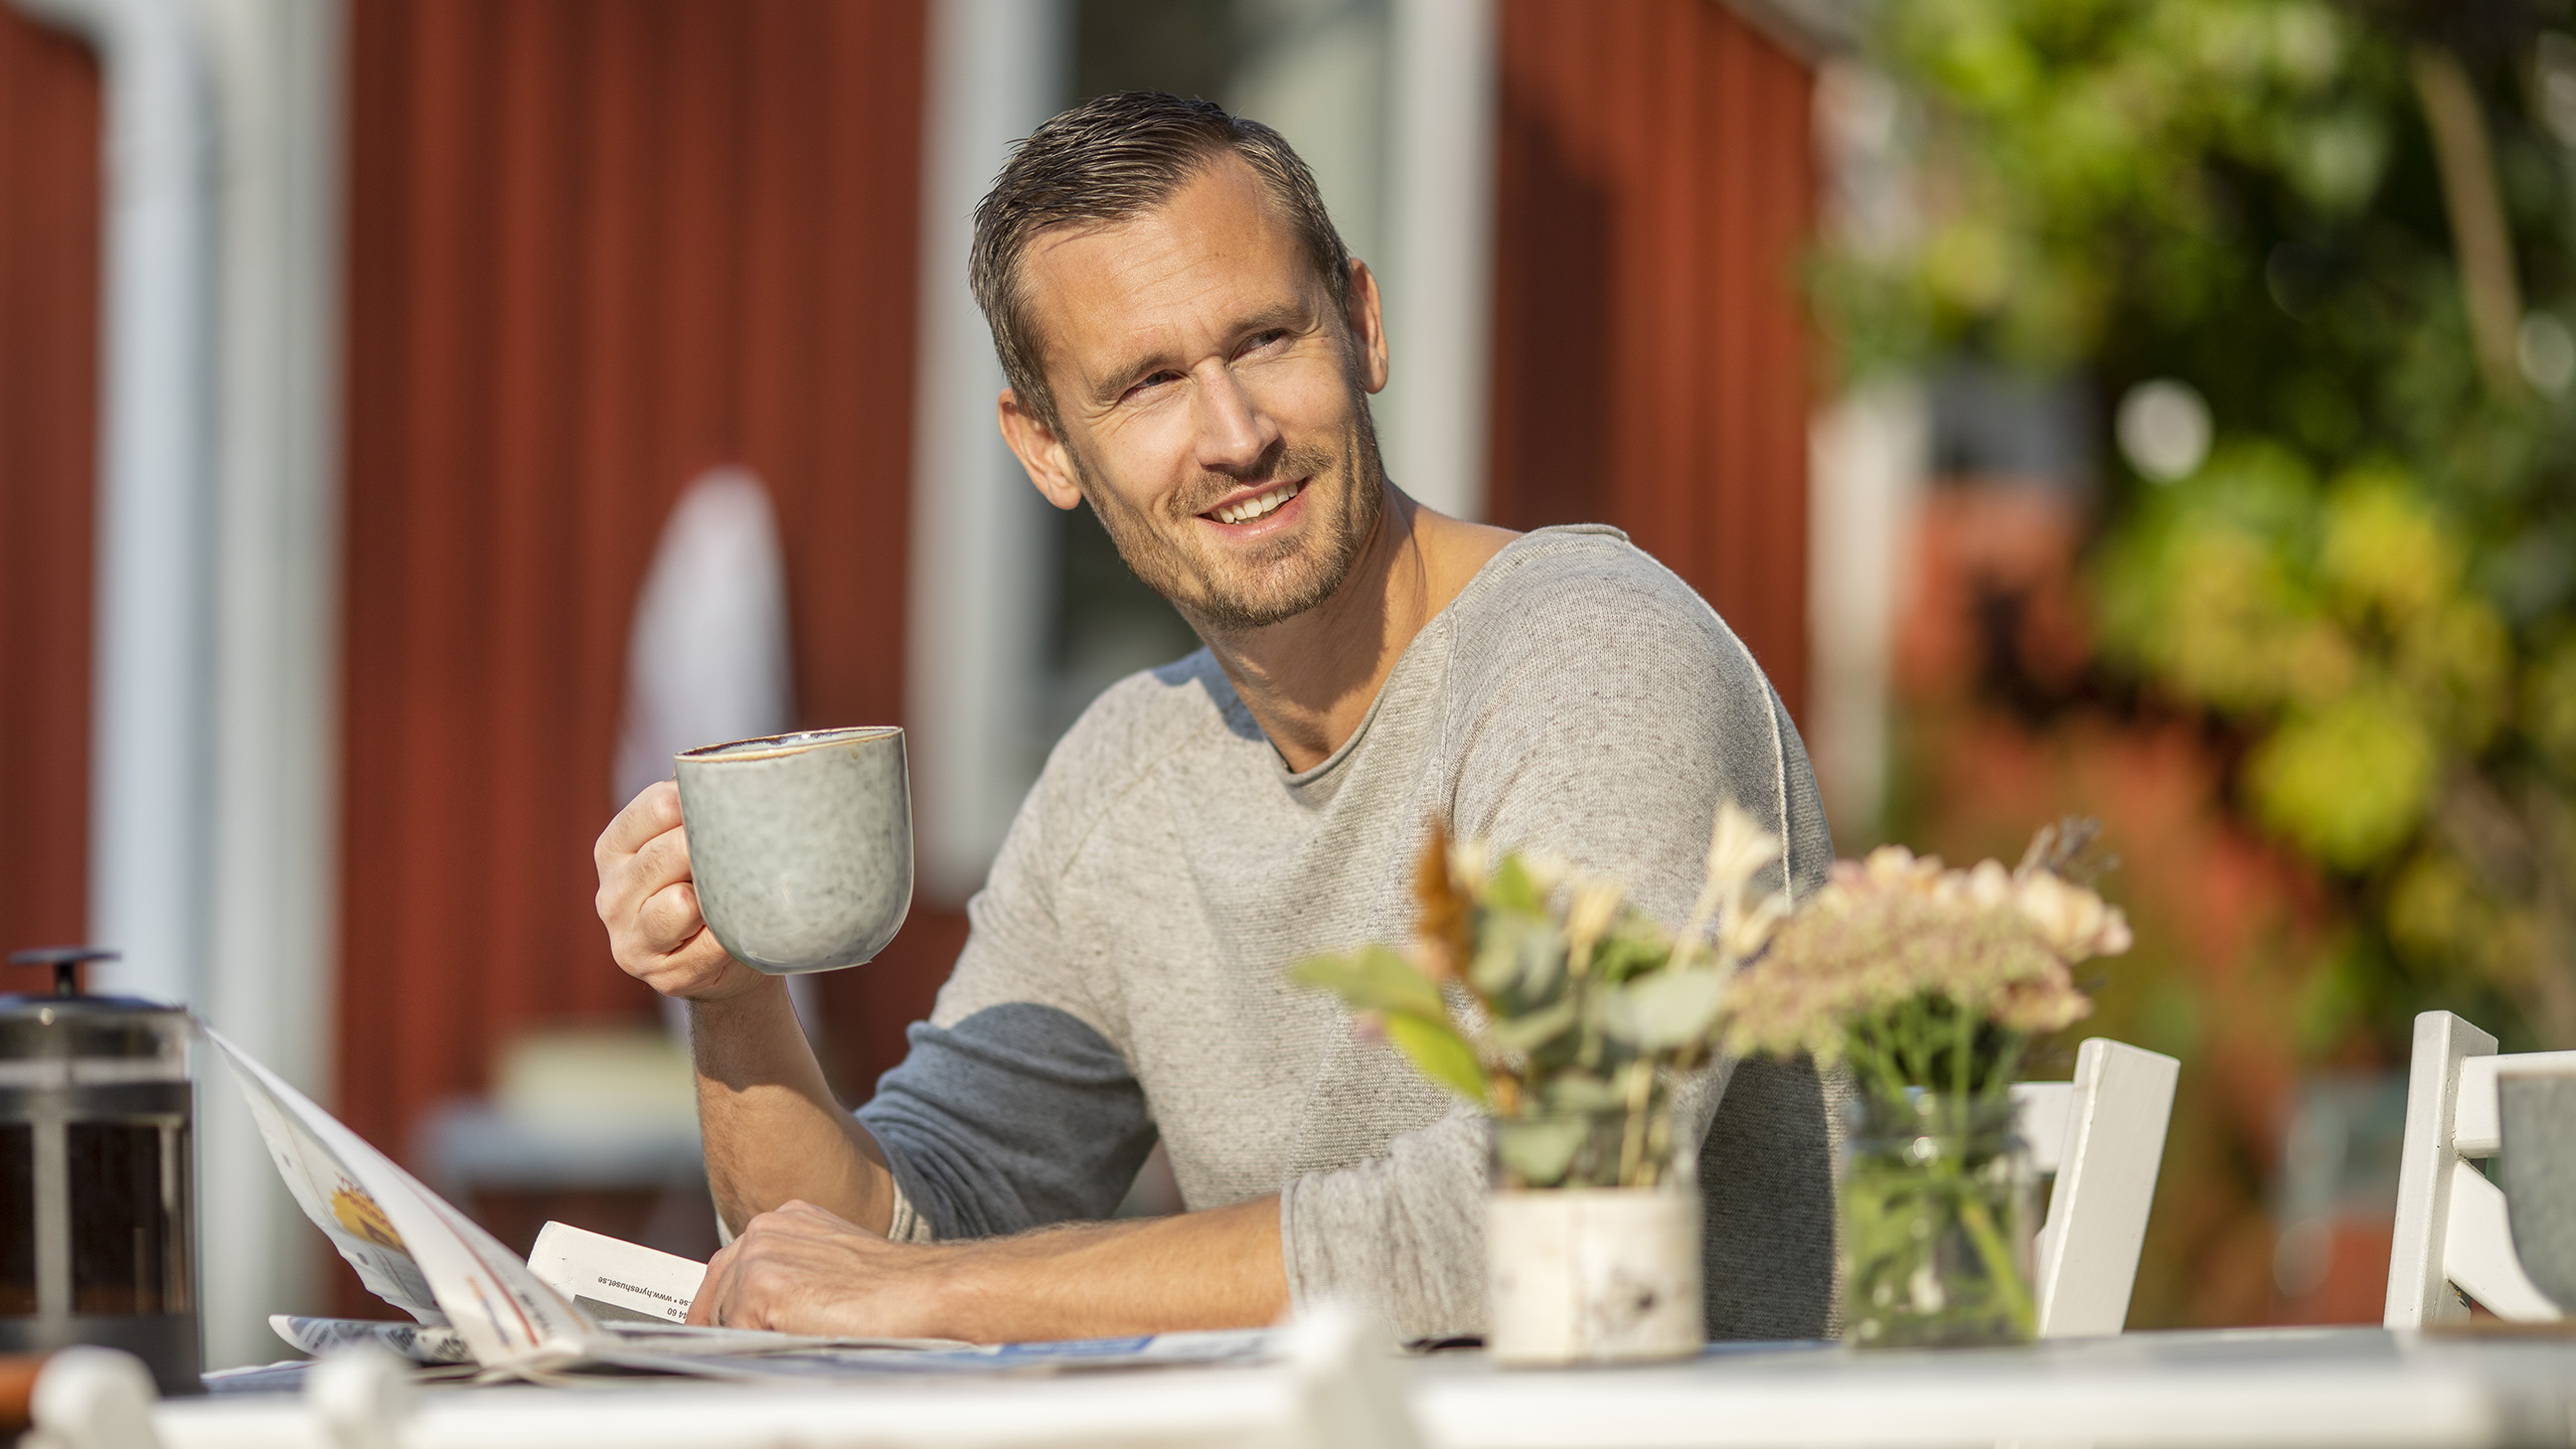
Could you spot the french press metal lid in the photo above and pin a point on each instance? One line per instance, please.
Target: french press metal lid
(97, 1177)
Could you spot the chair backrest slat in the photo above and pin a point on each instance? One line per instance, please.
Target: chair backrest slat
(2110, 1146)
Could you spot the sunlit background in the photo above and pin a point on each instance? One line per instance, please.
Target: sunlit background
(444, 409)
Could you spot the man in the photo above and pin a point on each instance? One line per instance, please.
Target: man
(1189, 350)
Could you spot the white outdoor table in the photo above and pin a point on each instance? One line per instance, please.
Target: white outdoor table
(2342, 1387)
(2252, 1387)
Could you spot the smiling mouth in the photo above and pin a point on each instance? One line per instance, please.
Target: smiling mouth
(1259, 505)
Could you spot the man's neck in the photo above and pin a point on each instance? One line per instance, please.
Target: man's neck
(1310, 680)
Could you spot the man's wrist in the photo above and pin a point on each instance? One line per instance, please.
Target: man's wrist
(756, 997)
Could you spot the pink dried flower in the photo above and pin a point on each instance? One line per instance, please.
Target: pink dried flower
(1895, 927)
(2074, 921)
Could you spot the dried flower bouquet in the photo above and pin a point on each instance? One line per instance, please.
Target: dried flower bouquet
(1921, 977)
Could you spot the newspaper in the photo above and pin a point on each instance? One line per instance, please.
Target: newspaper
(409, 1246)
(583, 1299)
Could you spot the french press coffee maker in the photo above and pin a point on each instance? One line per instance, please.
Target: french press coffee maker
(97, 1195)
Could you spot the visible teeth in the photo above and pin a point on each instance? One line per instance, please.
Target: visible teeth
(1257, 505)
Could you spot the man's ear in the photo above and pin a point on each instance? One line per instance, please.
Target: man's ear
(1040, 451)
(1368, 326)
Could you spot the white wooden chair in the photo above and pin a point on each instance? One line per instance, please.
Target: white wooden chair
(2103, 1136)
(2452, 1235)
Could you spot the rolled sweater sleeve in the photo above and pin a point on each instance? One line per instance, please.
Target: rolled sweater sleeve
(1614, 756)
(1404, 1233)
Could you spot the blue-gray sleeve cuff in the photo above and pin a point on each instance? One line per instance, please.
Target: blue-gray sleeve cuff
(1016, 1117)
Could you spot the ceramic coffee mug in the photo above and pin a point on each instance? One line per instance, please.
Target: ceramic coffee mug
(2537, 1114)
(801, 845)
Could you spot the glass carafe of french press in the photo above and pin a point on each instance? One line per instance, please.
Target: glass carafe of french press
(97, 1204)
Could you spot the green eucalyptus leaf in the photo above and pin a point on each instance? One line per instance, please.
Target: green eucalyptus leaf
(1632, 950)
(1664, 1010)
(1541, 954)
(1517, 956)
(1538, 1152)
(1575, 1092)
(1514, 890)
(1496, 968)
(1438, 1052)
(1537, 1029)
(1373, 978)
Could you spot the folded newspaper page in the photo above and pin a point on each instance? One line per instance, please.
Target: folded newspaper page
(409, 1246)
(615, 1281)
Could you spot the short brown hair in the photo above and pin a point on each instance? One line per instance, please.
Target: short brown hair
(1109, 160)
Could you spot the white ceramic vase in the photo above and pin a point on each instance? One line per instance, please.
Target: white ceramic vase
(1593, 1274)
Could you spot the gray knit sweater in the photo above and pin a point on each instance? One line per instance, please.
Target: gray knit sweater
(1125, 977)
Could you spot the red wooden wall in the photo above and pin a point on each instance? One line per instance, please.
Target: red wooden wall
(49, 200)
(1655, 187)
(595, 247)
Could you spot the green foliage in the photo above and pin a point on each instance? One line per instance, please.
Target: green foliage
(2371, 581)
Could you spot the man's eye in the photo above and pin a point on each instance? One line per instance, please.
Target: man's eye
(1157, 380)
(1261, 340)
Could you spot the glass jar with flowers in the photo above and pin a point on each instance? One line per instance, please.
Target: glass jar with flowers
(1926, 985)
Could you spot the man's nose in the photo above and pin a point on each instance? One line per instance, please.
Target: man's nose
(1234, 433)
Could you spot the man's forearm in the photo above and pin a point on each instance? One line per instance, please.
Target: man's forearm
(803, 1270)
(773, 1132)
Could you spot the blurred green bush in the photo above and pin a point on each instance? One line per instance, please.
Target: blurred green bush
(2345, 232)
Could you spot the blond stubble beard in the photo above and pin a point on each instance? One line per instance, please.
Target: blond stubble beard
(1306, 569)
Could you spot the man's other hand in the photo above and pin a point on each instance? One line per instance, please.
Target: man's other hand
(650, 905)
(803, 1270)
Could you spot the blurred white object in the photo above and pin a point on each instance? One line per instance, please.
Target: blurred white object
(93, 1398)
(1348, 1394)
(2164, 430)
(361, 1395)
(708, 660)
(2451, 1226)
(2103, 1136)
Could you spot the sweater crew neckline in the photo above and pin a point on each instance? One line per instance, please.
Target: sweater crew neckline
(1299, 781)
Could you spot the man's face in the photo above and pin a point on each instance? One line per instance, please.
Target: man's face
(1211, 401)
